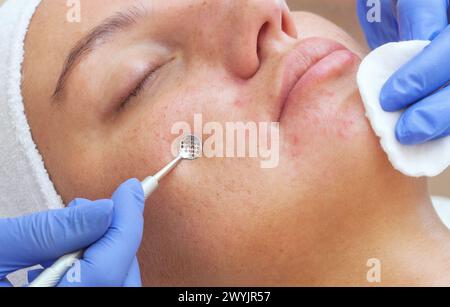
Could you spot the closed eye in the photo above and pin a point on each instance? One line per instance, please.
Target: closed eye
(147, 80)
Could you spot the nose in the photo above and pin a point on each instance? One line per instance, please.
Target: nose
(258, 28)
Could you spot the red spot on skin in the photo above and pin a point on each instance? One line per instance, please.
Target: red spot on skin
(295, 146)
(344, 129)
(346, 125)
(295, 140)
(239, 103)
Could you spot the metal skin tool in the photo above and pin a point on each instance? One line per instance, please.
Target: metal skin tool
(190, 148)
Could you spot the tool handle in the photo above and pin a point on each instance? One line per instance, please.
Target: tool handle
(52, 275)
(150, 184)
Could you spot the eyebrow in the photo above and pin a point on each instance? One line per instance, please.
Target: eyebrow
(112, 25)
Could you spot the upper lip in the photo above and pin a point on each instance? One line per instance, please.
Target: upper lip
(299, 60)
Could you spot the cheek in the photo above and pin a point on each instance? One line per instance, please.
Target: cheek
(202, 218)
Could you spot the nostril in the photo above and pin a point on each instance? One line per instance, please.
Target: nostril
(263, 32)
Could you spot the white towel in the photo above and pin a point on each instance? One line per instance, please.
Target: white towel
(25, 185)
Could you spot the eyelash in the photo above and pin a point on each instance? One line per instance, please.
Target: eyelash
(138, 89)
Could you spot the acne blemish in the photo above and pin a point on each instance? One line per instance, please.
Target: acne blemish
(239, 103)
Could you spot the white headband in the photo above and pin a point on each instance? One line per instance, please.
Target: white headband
(25, 185)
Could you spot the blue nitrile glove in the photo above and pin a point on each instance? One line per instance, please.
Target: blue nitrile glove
(420, 86)
(45, 236)
(113, 227)
(112, 260)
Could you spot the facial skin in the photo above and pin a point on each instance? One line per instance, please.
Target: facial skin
(333, 202)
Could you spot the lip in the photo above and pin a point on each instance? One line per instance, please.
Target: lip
(302, 58)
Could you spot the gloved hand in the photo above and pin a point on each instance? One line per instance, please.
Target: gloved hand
(420, 86)
(112, 229)
(112, 261)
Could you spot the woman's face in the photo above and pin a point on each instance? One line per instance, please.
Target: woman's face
(218, 220)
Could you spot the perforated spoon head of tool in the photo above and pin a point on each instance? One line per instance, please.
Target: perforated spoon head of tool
(190, 147)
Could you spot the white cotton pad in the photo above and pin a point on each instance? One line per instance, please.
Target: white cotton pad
(428, 159)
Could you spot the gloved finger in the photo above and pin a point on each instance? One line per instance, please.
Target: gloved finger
(32, 274)
(421, 20)
(4, 283)
(424, 74)
(107, 262)
(133, 279)
(427, 120)
(76, 202)
(379, 30)
(44, 236)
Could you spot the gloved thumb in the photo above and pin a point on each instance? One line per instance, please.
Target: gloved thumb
(45, 236)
